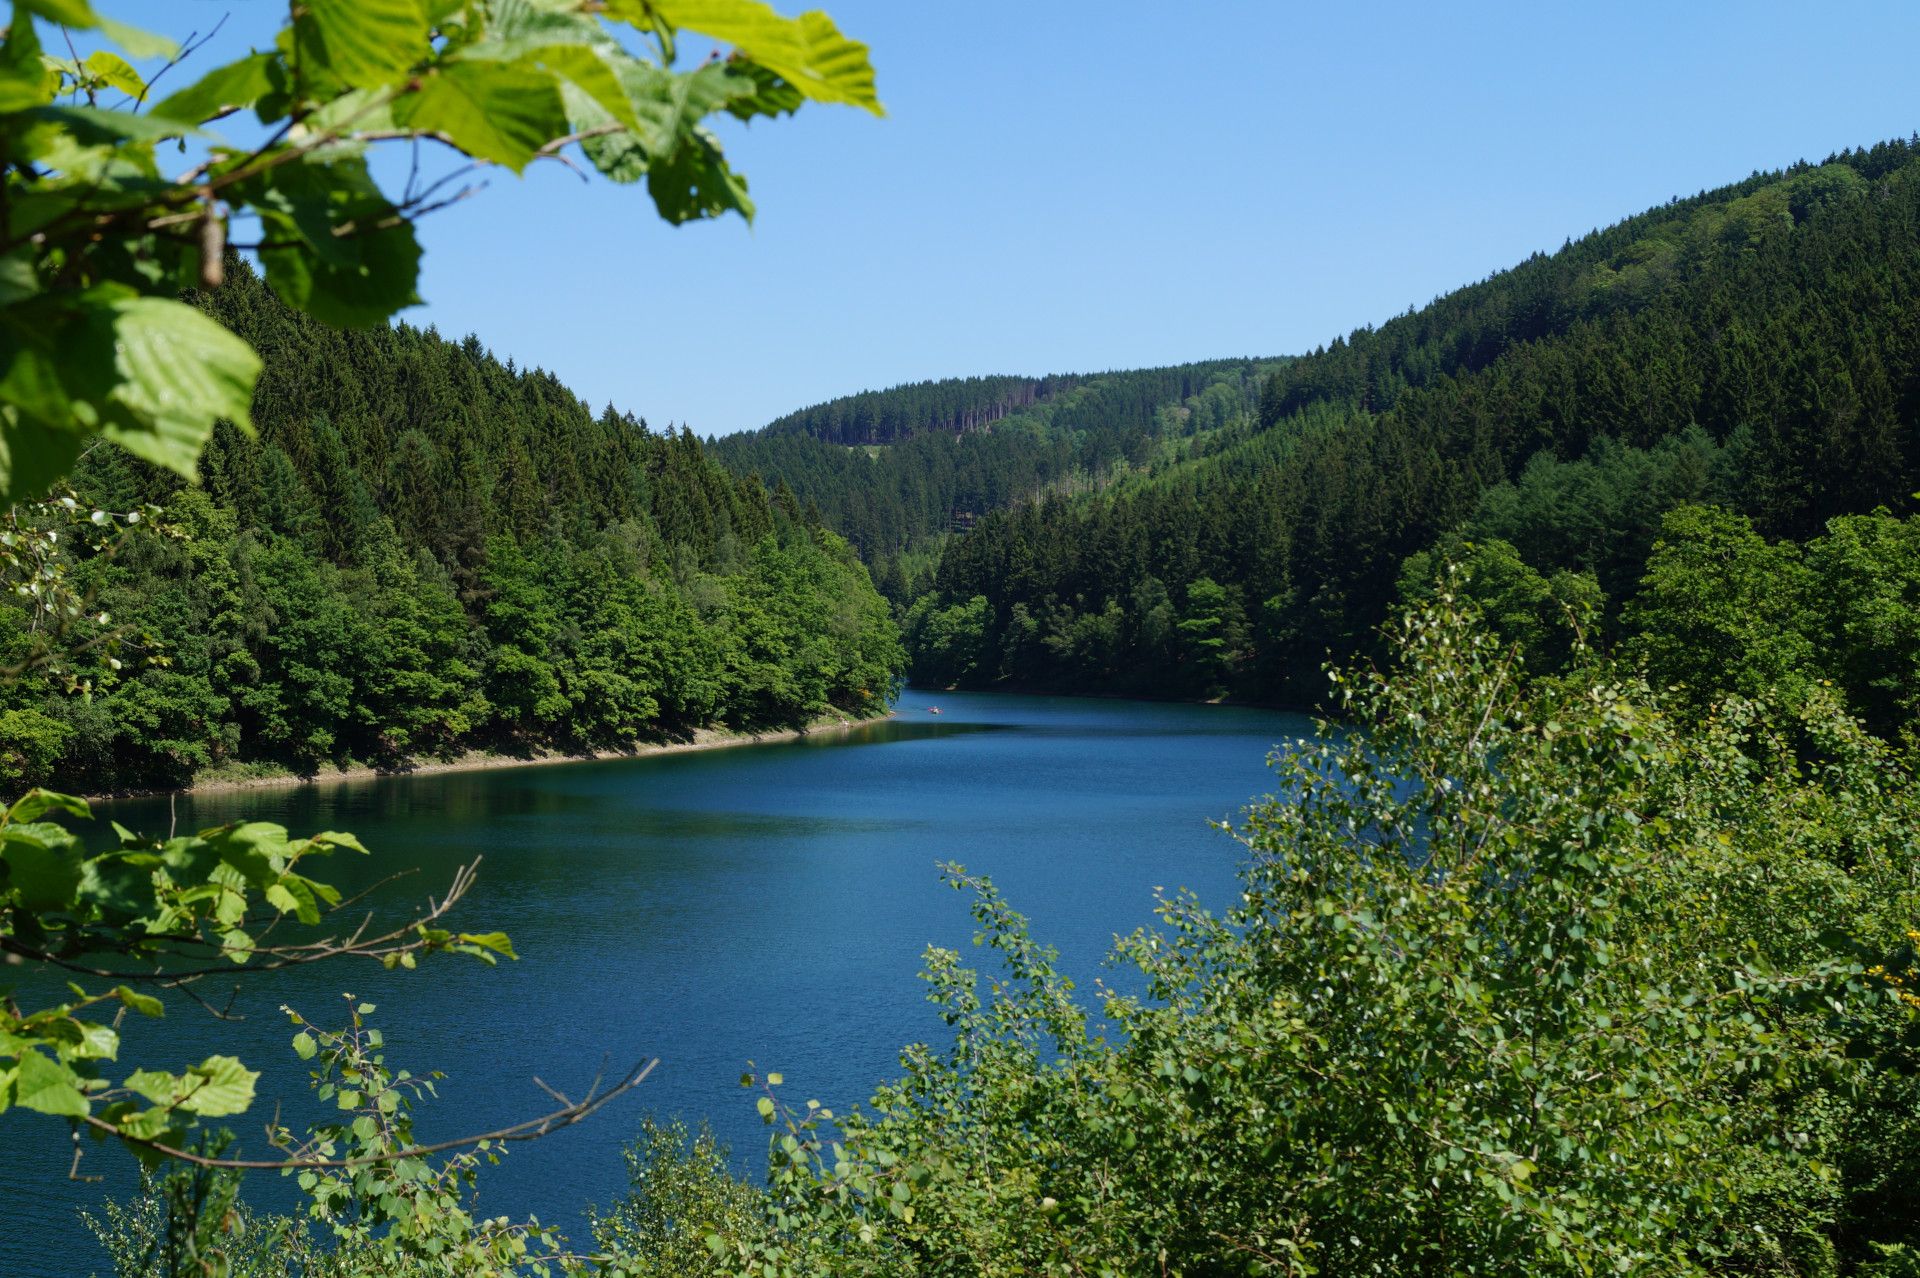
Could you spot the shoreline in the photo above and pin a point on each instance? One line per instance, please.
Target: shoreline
(1028, 690)
(483, 761)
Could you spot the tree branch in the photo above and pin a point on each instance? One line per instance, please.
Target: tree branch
(531, 1129)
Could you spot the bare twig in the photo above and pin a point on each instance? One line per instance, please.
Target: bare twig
(78, 68)
(188, 47)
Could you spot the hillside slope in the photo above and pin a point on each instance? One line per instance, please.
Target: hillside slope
(427, 550)
(1756, 347)
(897, 470)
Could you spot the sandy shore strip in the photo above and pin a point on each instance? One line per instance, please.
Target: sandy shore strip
(482, 761)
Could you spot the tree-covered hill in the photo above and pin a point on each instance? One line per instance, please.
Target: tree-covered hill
(1754, 348)
(953, 404)
(896, 470)
(427, 550)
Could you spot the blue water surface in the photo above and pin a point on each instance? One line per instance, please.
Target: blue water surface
(764, 903)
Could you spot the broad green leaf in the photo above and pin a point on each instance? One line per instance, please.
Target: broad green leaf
(695, 181)
(32, 454)
(97, 126)
(175, 373)
(137, 41)
(51, 1088)
(114, 70)
(499, 111)
(575, 48)
(120, 887)
(217, 1087)
(586, 72)
(68, 13)
(370, 43)
(42, 873)
(97, 1043)
(770, 96)
(148, 373)
(808, 52)
(145, 1004)
(147, 1124)
(237, 84)
(37, 802)
(303, 1046)
(292, 896)
(688, 175)
(257, 849)
(495, 941)
(26, 80)
(334, 256)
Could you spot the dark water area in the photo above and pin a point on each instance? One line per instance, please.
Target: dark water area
(764, 903)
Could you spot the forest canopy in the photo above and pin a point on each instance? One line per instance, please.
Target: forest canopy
(426, 550)
(1751, 349)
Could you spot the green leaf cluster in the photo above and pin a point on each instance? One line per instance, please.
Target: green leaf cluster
(1747, 347)
(101, 235)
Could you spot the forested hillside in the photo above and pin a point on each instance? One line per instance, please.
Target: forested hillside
(895, 471)
(1754, 350)
(427, 550)
(952, 404)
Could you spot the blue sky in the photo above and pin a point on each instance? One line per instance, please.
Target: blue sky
(1065, 186)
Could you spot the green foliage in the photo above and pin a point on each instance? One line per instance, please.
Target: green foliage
(1743, 348)
(895, 471)
(1867, 623)
(949, 641)
(384, 1205)
(500, 569)
(378, 1202)
(1546, 617)
(189, 1222)
(1525, 979)
(97, 344)
(1720, 609)
(1212, 635)
(681, 1192)
(94, 341)
(162, 911)
(30, 745)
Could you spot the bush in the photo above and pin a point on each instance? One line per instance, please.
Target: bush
(30, 746)
(1525, 979)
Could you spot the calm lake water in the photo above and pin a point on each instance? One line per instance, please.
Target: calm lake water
(766, 903)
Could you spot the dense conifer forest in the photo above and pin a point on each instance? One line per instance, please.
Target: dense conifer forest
(428, 550)
(1730, 380)
(897, 471)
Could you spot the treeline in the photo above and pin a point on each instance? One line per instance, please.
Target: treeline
(427, 550)
(1754, 348)
(894, 471)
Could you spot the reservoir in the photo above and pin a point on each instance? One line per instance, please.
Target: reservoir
(766, 903)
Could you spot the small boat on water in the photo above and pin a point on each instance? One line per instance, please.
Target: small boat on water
(933, 709)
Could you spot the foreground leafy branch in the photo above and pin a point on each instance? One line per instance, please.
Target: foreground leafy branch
(174, 912)
(97, 239)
